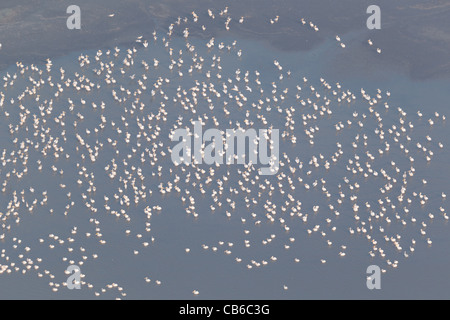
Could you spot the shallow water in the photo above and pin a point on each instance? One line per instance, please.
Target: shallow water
(216, 274)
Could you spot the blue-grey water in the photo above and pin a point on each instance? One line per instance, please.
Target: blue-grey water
(222, 248)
